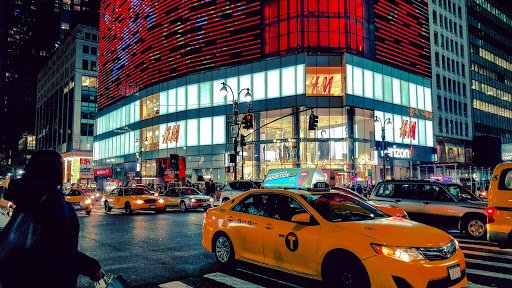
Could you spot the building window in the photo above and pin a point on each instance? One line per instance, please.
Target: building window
(445, 104)
(455, 110)
(436, 40)
(94, 37)
(438, 81)
(439, 103)
(444, 83)
(85, 49)
(462, 50)
(463, 70)
(461, 35)
(466, 128)
(434, 17)
(446, 126)
(93, 66)
(451, 127)
(94, 51)
(465, 109)
(437, 59)
(451, 105)
(443, 62)
(460, 108)
(87, 36)
(460, 17)
(85, 64)
(440, 122)
(442, 41)
(456, 128)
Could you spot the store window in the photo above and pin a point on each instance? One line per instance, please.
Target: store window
(150, 106)
(321, 81)
(152, 135)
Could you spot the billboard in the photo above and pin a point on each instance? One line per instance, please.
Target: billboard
(506, 152)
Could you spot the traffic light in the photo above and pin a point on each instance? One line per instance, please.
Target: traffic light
(313, 121)
(175, 162)
(242, 141)
(247, 122)
(387, 157)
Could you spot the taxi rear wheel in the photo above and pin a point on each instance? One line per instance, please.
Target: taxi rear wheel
(223, 250)
(343, 269)
(128, 208)
(107, 207)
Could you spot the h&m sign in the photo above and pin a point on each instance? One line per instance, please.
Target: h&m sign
(171, 134)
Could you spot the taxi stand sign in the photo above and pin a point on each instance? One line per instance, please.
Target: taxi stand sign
(295, 178)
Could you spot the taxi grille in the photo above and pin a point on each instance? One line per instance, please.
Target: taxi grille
(440, 253)
(202, 200)
(149, 201)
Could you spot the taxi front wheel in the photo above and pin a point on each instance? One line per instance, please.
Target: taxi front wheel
(343, 269)
(223, 250)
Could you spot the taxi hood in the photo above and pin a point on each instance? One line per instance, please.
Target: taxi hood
(395, 231)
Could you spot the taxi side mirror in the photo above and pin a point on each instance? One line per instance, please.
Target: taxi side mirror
(302, 218)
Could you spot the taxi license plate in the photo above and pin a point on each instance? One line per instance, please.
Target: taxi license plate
(76, 205)
(454, 272)
(152, 206)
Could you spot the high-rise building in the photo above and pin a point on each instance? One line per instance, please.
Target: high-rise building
(451, 81)
(66, 101)
(490, 47)
(357, 65)
(33, 29)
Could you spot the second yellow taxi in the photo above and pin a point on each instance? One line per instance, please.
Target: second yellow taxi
(133, 199)
(329, 236)
(79, 200)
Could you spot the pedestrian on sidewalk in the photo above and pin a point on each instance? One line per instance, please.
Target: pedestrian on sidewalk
(39, 244)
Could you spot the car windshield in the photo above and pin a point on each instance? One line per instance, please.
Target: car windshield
(189, 192)
(135, 191)
(72, 193)
(244, 186)
(337, 207)
(461, 193)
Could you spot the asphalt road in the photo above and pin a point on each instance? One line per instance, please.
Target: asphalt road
(165, 250)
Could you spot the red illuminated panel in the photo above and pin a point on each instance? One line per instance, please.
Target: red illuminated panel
(402, 34)
(143, 42)
(314, 26)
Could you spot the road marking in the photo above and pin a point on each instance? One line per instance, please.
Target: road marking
(473, 285)
(480, 246)
(174, 284)
(489, 274)
(269, 278)
(486, 254)
(231, 281)
(495, 264)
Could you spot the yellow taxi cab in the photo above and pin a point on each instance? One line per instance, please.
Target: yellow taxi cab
(6, 206)
(79, 200)
(132, 199)
(329, 236)
(499, 212)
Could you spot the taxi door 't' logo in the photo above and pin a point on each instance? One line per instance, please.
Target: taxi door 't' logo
(292, 241)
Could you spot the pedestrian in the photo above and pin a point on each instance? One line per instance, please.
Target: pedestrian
(44, 251)
(210, 188)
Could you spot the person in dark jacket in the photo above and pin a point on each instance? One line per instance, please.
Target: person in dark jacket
(55, 261)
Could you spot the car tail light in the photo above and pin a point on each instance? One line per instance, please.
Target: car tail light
(491, 211)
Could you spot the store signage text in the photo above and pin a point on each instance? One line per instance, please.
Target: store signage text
(320, 84)
(102, 172)
(171, 134)
(408, 130)
(399, 153)
(85, 161)
(506, 152)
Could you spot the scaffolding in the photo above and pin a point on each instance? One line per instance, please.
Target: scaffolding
(475, 178)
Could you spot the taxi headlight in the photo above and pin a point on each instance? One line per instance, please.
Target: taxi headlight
(87, 201)
(193, 200)
(160, 200)
(405, 254)
(138, 201)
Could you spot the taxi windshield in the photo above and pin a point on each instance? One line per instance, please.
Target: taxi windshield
(188, 192)
(337, 207)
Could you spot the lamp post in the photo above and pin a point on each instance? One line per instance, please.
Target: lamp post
(235, 123)
(383, 134)
(139, 156)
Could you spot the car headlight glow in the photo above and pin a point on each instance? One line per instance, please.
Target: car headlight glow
(193, 200)
(87, 201)
(405, 254)
(160, 200)
(138, 201)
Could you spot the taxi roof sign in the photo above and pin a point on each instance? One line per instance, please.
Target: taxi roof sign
(295, 178)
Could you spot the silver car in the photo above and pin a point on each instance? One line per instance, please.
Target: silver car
(435, 204)
(186, 198)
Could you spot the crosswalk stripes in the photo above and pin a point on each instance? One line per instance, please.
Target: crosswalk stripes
(231, 281)
(174, 284)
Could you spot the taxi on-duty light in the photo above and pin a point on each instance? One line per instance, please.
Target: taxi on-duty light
(332, 237)
(79, 200)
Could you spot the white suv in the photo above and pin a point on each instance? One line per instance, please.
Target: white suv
(235, 188)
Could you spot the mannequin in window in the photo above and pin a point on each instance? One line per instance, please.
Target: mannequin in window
(324, 148)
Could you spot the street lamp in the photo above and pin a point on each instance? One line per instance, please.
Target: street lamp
(139, 157)
(235, 123)
(383, 134)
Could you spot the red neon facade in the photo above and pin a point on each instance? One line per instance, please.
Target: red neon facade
(314, 26)
(402, 34)
(144, 42)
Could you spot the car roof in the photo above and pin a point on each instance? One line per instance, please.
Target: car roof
(411, 181)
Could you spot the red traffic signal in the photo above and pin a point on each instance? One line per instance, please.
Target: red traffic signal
(247, 122)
